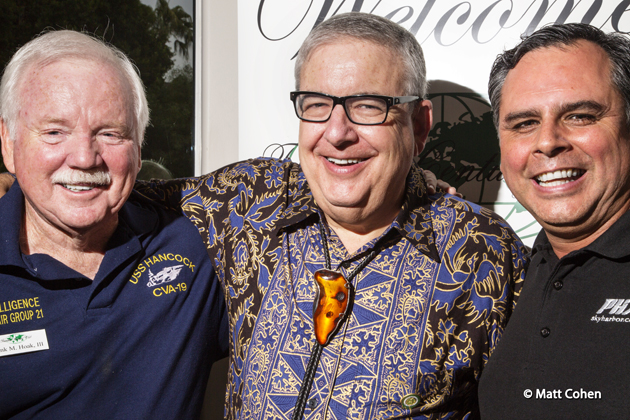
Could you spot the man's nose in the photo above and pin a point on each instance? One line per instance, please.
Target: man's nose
(84, 151)
(551, 140)
(340, 129)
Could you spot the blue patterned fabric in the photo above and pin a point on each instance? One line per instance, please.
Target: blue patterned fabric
(427, 311)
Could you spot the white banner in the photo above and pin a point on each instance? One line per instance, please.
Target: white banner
(460, 40)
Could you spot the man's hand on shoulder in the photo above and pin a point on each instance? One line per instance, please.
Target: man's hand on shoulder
(434, 184)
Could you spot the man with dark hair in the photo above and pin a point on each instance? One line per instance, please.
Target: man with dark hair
(353, 293)
(561, 100)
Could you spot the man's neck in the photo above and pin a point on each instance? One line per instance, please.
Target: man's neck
(81, 251)
(564, 243)
(354, 237)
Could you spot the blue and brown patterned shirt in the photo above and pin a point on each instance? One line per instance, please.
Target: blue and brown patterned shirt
(428, 309)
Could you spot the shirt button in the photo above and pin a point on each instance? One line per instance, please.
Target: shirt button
(545, 332)
(557, 284)
(411, 401)
(312, 403)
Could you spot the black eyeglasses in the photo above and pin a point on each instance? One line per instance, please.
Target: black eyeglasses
(360, 109)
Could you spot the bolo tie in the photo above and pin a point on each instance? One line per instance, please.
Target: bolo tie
(333, 300)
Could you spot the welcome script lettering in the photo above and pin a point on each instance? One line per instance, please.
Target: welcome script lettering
(463, 17)
(481, 21)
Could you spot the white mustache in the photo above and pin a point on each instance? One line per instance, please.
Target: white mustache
(80, 177)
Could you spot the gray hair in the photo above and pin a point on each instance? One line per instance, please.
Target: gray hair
(615, 45)
(59, 45)
(372, 28)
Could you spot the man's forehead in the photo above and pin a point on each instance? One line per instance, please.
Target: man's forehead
(348, 43)
(63, 91)
(354, 63)
(60, 78)
(574, 55)
(576, 72)
(76, 66)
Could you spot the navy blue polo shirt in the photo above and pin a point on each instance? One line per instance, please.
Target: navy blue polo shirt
(136, 343)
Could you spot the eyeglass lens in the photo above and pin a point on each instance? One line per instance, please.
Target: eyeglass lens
(361, 110)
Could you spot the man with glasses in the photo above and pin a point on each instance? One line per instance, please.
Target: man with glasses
(351, 292)
(360, 109)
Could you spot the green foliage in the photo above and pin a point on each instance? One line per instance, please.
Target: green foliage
(169, 137)
(127, 24)
(142, 33)
(177, 23)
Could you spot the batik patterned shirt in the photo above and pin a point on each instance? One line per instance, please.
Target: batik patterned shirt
(427, 312)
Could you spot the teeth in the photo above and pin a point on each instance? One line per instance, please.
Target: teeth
(559, 177)
(77, 188)
(554, 183)
(344, 161)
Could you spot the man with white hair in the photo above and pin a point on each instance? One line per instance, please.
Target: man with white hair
(108, 304)
(352, 292)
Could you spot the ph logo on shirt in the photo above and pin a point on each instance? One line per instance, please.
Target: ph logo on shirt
(613, 310)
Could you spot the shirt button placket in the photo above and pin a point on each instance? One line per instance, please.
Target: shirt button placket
(557, 285)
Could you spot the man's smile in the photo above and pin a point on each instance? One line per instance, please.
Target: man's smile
(559, 177)
(344, 162)
(80, 187)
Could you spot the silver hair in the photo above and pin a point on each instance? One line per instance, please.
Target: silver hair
(616, 46)
(375, 29)
(54, 46)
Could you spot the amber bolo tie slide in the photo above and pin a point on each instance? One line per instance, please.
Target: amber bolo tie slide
(330, 304)
(329, 310)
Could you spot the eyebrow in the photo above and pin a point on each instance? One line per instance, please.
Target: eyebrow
(564, 108)
(125, 129)
(55, 120)
(521, 115)
(587, 105)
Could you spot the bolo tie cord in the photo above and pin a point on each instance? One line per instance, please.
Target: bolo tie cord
(313, 362)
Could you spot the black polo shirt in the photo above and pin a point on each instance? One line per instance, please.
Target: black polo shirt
(565, 351)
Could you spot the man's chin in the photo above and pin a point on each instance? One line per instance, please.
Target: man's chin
(344, 201)
(563, 221)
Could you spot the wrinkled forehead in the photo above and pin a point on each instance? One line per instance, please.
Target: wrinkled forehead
(73, 68)
(576, 57)
(358, 59)
(55, 78)
(557, 75)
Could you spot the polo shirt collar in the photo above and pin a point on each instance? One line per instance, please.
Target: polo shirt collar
(613, 243)
(135, 221)
(11, 206)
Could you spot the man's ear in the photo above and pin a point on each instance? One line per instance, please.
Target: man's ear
(422, 122)
(8, 145)
(139, 159)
